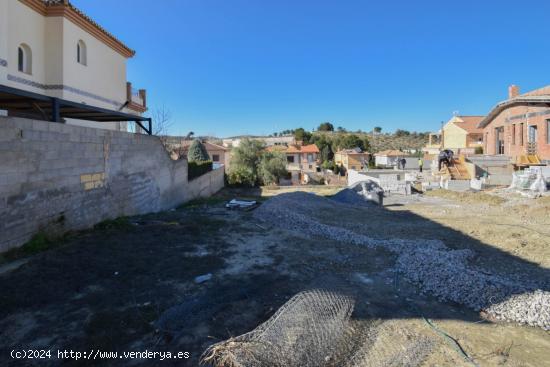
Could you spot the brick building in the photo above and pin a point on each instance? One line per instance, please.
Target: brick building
(519, 126)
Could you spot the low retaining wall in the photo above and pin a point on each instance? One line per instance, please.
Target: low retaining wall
(207, 184)
(498, 169)
(57, 177)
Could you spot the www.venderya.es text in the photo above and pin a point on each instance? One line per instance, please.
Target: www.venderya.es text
(95, 354)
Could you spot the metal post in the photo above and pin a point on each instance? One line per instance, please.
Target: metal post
(56, 117)
(150, 121)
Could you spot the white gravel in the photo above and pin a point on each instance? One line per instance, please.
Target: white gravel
(435, 268)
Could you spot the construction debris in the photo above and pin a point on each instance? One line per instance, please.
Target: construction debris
(529, 182)
(241, 204)
(203, 278)
(315, 329)
(311, 330)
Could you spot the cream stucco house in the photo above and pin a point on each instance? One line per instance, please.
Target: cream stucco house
(461, 133)
(65, 66)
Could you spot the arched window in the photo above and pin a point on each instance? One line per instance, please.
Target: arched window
(81, 52)
(24, 59)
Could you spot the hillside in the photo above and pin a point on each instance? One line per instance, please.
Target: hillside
(380, 142)
(392, 141)
(402, 140)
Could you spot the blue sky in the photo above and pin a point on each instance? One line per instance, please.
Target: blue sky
(258, 66)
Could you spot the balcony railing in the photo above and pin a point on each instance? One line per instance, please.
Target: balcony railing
(137, 98)
(293, 166)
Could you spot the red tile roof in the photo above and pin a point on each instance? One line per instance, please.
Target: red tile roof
(66, 9)
(209, 146)
(311, 148)
(469, 123)
(276, 148)
(294, 149)
(539, 92)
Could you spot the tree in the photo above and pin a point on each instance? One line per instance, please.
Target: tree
(351, 141)
(326, 126)
(244, 162)
(366, 144)
(326, 153)
(272, 167)
(247, 154)
(251, 164)
(340, 129)
(323, 141)
(162, 121)
(241, 176)
(301, 135)
(197, 152)
(377, 129)
(400, 133)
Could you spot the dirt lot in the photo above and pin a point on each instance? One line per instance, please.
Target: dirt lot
(130, 285)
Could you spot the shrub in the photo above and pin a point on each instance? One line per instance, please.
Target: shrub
(271, 168)
(196, 169)
(329, 165)
(240, 175)
(197, 152)
(40, 242)
(479, 150)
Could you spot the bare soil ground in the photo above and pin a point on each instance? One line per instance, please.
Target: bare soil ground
(131, 286)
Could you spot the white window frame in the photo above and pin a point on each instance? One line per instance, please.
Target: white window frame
(24, 59)
(81, 53)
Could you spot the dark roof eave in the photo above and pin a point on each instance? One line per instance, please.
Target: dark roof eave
(527, 101)
(72, 109)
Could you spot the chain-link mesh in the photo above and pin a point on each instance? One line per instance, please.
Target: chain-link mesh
(315, 329)
(309, 330)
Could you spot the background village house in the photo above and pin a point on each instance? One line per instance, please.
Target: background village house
(462, 135)
(302, 160)
(234, 142)
(354, 159)
(388, 158)
(218, 154)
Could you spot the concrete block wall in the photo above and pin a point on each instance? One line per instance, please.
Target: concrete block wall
(498, 169)
(207, 184)
(58, 177)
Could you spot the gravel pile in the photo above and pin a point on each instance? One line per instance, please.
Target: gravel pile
(429, 264)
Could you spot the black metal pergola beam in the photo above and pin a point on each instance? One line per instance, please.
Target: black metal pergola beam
(15, 99)
(150, 127)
